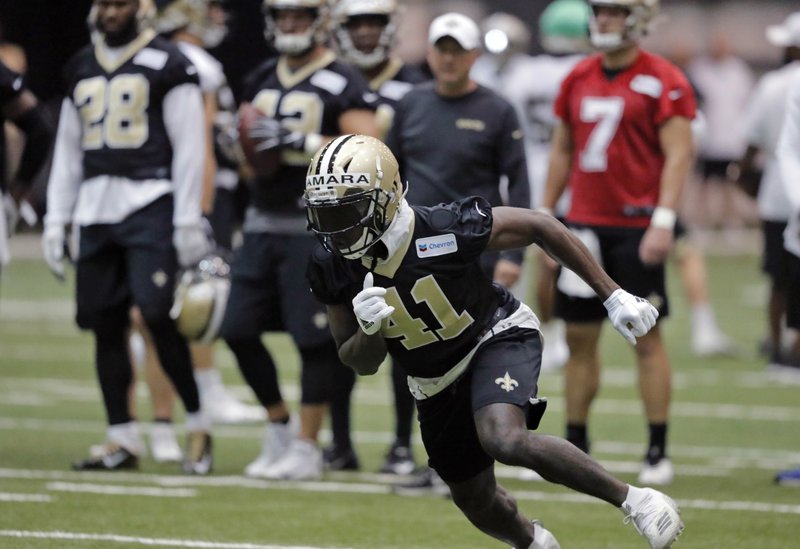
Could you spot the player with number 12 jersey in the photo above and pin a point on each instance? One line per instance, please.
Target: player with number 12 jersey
(615, 119)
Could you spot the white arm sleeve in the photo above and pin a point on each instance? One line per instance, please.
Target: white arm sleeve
(788, 152)
(66, 173)
(184, 118)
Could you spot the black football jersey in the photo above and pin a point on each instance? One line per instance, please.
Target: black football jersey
(310, 100)
(120, 102)
(10, 87)
(391, 85)
(443, 302)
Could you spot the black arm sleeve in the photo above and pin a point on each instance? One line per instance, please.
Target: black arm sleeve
(513, 164)
(38, 138)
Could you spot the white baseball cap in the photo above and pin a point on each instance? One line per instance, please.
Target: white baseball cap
(787, 33)
(457, 26)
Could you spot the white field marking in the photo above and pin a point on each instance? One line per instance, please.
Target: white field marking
(25, 498)
(110, 490)
(372, 488)
(164, 542)
(46, 310)
(746, 506)
(369, 396)
(721, 456)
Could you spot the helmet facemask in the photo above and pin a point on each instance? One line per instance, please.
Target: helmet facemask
(347, 11)
(296, 44)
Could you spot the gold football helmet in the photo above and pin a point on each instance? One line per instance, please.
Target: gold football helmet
(347, 9)
(296, 44)
(192, 15)
(353, 192)
(201, 296)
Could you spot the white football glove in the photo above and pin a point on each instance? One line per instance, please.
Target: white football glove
(631, 316)
(370, 307)
(53, 241)
(192, 244)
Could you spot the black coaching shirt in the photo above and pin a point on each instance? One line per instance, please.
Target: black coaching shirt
(443, 301)
(451, 148)
(308, 100)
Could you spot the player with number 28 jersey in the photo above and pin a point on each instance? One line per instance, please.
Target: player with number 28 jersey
(615, 119)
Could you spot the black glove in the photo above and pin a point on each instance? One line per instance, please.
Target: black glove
(270, 134)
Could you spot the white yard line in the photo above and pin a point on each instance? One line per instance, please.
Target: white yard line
(111, 490)
(25, 498)
(164, 542)
(373, 488)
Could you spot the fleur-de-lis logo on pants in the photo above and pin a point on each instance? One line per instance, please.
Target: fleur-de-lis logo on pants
(506, 383)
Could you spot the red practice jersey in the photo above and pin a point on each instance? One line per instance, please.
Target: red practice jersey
(617, 159)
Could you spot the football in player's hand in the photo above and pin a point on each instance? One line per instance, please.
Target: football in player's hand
(265, 162)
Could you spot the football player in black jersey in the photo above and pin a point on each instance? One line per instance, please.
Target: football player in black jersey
(304, 97)
(127, 176)
(365, 32)
(20, 107)
(407, 280)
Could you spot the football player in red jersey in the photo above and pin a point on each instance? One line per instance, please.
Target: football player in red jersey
(624, 146)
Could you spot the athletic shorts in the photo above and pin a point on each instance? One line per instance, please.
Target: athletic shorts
(775, 262)
(131, 262)
(505, 369)
(793, 288)
(270, 292)
(715, 168)
(617, 250)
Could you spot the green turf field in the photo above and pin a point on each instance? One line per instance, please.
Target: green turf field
(733, 427)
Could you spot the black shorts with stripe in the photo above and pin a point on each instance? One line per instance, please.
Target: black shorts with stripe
(504, 370)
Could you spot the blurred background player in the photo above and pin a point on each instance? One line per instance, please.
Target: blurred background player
(789, 166)
(292, 105)
(187, 23)
(765, 116)
(19, 106)
(506, 67)
(724, 84)
(365, 33)
(622, 104)
(456, 138)
(126, 176)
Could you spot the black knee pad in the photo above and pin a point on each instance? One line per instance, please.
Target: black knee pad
(112, 324)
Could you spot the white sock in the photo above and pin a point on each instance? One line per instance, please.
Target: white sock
(198, 422)
(208, 379)
(634, 498)
(126, 435)
(703, 318)
(138, 350)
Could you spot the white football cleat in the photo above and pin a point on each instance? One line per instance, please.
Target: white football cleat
(164, 445)
(712, 342)
(223, 408)
(274, 445)
(543, 538)
(657, 518)
(302, 461)
(659, 474)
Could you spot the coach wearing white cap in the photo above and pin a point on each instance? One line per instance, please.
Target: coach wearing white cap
(455, 138)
